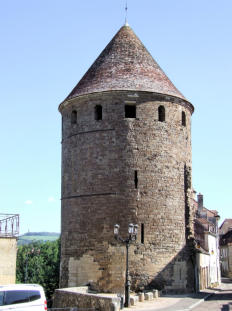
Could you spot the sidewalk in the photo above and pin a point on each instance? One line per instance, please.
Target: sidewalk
(173, 302)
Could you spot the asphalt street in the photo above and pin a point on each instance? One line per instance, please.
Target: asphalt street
(214, 299)
(221, 300)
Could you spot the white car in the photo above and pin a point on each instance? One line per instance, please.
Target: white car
(22, 297)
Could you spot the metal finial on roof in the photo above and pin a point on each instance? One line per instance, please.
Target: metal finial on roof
(126, 9)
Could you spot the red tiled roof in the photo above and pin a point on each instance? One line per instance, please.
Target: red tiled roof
(125, 64)
(210, 213)
(227, 223)
(203, 221)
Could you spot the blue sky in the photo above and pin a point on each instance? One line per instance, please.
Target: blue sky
(46, 47)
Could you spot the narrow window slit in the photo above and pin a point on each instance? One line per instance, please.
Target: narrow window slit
(98, 112)
(142, 233)
(136, 179)
(161, 112)
(130, 111)
(74, 117)
(183, 118)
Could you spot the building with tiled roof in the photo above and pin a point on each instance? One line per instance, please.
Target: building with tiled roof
(208, 225)
(225, 226)
(226, 247)
(126, 158)
(226, 253)
(207, 244)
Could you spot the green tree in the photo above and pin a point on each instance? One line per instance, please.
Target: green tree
(38, 263)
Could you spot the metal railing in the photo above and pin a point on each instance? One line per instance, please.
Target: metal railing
(9, 225)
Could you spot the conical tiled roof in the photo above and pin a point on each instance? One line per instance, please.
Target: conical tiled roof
(125, 64)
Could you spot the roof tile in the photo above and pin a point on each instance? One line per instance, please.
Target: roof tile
(125, 64)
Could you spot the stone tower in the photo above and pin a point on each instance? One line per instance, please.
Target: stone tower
(126, 158)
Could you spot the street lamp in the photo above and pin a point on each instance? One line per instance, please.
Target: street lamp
(30, 252)
(133, 231)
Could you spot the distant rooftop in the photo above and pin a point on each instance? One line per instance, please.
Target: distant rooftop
(9, 225)
(225, 226)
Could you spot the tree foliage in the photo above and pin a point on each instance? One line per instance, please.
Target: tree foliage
(38, 263)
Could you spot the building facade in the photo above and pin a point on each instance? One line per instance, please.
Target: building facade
(126, 158)
(226, 248)
(9, 230)
(206, 234)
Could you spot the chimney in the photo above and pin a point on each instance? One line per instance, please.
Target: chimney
(200, 202)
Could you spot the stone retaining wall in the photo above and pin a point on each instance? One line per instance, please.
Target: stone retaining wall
(75, 297)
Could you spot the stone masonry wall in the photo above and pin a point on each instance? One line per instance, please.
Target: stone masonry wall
(99, 160)
(73, 297)
(8, 251)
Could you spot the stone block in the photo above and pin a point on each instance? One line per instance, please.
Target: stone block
(141, 297)
(134, 300)
(148, 296)
(155, 293)
(114, 306)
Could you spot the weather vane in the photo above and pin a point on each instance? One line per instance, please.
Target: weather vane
(126, 9)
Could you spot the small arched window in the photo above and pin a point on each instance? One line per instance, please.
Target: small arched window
(183, 118)
(98, 112)
(74, 117)
(161, 112)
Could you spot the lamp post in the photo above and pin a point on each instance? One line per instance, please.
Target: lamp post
(30, 252)
(133, 231)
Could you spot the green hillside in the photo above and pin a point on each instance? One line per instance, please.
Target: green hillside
(30, 237)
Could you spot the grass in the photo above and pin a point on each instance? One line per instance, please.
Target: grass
(27, 238)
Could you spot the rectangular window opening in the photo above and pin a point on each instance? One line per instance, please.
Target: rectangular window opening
(130, 111)
(136, 179)
(142, 233)
(98, 112)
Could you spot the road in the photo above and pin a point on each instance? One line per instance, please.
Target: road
(220, 301)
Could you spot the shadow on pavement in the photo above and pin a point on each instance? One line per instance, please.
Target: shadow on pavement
(226, 280)
(199, 295)
(221, 296)
(213, 293)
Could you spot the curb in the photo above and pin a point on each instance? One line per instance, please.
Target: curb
(181, 308)
(201, 300)
(198, 302)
